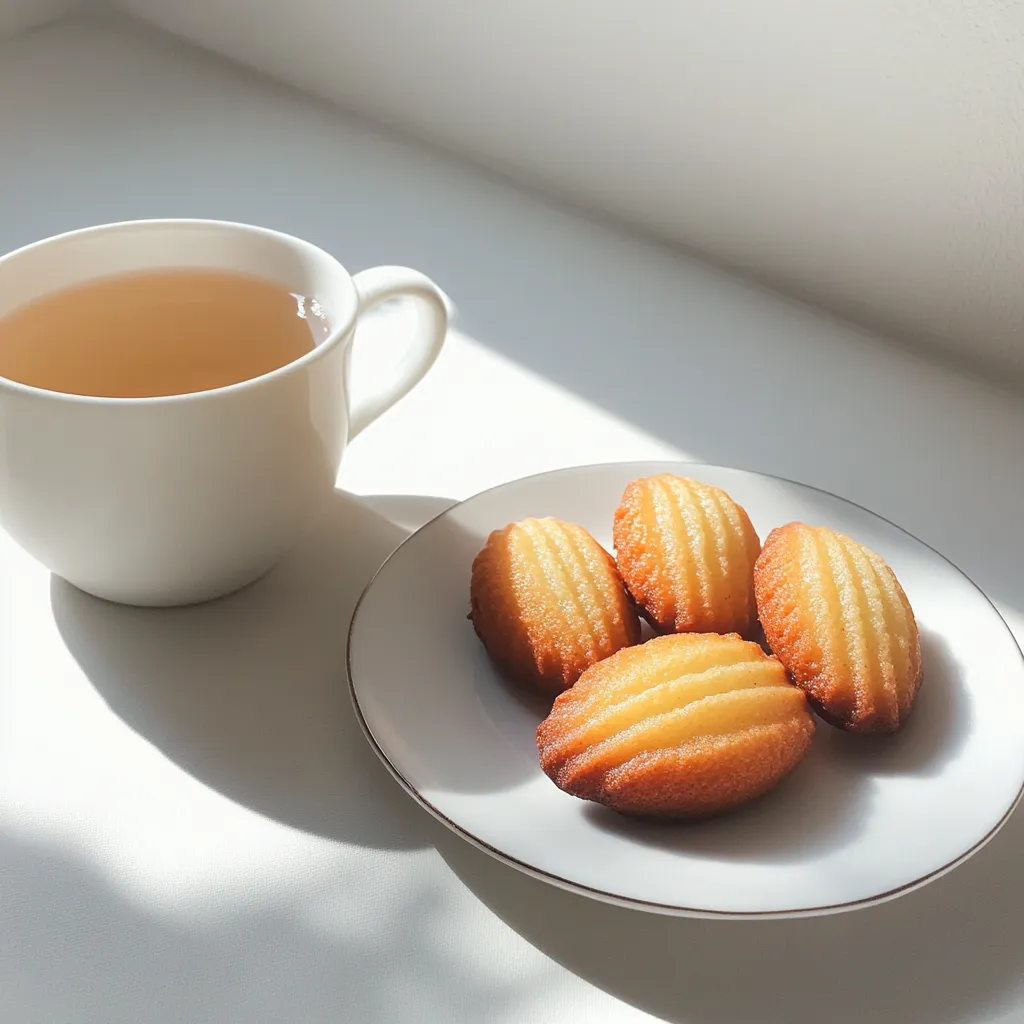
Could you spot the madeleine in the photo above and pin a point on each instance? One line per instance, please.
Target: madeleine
(836, 617)
(686, 552)
(547, 603)
(684, 726)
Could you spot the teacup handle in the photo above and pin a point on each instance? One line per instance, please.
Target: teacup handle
(378, 285)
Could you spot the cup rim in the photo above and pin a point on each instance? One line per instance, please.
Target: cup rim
(337, 334)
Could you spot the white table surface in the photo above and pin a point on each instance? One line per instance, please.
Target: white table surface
(191, 827)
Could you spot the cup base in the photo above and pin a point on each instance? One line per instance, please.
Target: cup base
(171, 599)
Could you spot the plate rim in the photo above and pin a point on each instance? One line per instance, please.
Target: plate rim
(632, 902)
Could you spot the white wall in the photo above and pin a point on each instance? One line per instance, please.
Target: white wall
(867, 156)
(19, 15)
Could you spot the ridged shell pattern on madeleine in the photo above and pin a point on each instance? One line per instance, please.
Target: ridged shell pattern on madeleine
(686, 553)
(836, 616)
(683, 726)
(547, 602)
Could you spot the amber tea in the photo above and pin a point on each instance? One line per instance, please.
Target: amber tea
(157, 332)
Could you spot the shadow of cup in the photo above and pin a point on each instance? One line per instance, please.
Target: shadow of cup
(248, 693)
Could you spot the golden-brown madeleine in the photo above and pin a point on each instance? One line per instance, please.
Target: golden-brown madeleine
(686, 553)
(683, 726)
(836, 616)
(547, 602)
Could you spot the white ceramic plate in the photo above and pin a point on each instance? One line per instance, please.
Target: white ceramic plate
(860, 820)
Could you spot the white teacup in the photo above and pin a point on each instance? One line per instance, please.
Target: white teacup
(183, 498)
